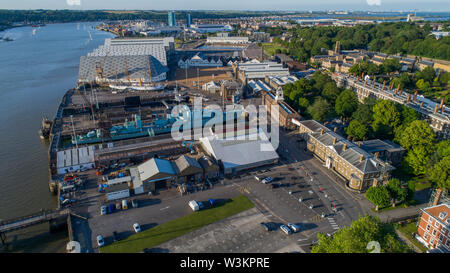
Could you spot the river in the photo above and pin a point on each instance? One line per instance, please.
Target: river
(37, 68)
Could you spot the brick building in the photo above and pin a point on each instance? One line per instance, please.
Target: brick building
(433, 228)
(285, 112)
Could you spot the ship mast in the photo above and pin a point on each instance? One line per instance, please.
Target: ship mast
(149, 70)
(126, 69)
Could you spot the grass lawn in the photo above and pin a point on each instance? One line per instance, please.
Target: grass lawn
(407, 230)
(270, 48)
(170, 230)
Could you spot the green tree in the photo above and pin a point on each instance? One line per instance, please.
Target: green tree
(330, 92)
(417, 160)
(320, 110)
(391, 65)
(363, 114)
(427, 74)
(379, 196)
(423, 85)
(356, 237)
(303, 104)
(346, 103)
(385, 118)
(440, 173)
(418, 133)
(357, 130)
(396, 191)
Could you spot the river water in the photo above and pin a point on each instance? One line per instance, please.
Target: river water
(36, 69)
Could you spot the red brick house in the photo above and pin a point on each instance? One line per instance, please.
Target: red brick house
(433, 227)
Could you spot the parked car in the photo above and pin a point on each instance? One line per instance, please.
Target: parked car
(100, 241)
(265, 226)
(274, 186)
(103, 210)
(136, 227)
(194, 205)
(115, 236)
(267, 180)
(294, 227)
(135, 203)
(286, 229)
(111, 208)
(124, 204)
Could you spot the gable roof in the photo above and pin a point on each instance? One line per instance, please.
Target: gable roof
(156, 168)
(185, 165)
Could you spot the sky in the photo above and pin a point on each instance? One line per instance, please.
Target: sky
(294, 5)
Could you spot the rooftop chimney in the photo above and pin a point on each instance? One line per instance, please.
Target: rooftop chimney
(334, 140)
(384, 85)
(421, 104)
(401, 92)
(443, 109)
(409, 98)
(361, 158)
(321, 131)
(345, 146)
(377, 154)
(415, 95)
(435, 108)
(335, 129)
(442, 103)
(359, 143)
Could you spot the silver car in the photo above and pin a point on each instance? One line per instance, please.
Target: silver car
(286, 229)
(294, 227)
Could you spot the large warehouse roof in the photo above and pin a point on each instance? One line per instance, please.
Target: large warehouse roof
(235, 152)
(73, 157)
(154, 49)
(117, 66)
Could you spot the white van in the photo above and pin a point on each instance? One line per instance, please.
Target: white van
(194, 205)
(124, 204)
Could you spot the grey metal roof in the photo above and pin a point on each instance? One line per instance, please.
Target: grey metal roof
(186, 165)
(156, 50)
(235, 152)
(114, 66)
(378, 145)
(313, 125)
(207, 163)
(156, 167)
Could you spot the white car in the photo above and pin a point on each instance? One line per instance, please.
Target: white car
(136, 227)
(100, 241)
(267, 180)
(285, 229)
(294, 227)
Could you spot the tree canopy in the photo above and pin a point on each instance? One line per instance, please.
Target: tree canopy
(346, 103)
(356, 238)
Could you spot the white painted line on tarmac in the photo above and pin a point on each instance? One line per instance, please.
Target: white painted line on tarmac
(165, 208)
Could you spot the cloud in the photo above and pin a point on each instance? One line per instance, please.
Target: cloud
(374, 2)
(73, 2)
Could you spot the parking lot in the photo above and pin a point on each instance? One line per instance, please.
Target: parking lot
(306, 195)
(241, 233)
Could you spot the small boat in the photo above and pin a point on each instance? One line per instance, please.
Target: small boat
(44, 131)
